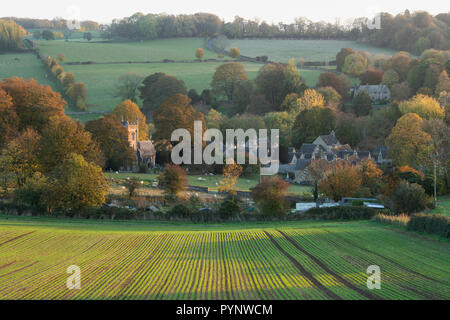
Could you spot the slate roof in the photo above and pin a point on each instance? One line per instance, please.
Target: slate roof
(307, 148)
(330, 139)
(302, 164)
(381, 149)
(363, 154)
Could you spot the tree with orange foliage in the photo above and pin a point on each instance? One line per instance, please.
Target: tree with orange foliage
(199, 53)
(34, 104)
(231, 174)
(63, 137)
(371, 175)
(270, 194)
(341, 180)
(8, 118)
(410, 174)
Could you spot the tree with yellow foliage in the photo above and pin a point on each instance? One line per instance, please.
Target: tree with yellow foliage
(425, 106)
(129, 111)
(311, 98)
(231, 174)
(407, 139)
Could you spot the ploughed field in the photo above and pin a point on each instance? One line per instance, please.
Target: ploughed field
(157, 260)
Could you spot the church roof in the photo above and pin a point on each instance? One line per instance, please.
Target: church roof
(146, 149)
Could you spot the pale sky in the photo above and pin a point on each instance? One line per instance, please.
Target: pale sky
(269, 10)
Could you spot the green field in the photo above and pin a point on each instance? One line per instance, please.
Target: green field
(24, 65)
(243, 184)
(443, 206)
(100, 79)
(153, 50)
(160, 260)
(310, 50)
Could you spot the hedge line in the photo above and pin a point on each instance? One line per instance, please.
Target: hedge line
(430, 223)
(338, 213)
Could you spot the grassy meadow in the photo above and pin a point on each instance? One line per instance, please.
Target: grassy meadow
(26, 66)
(443, 206)
(243, 184)
(152, 50)
(310, 50)
(161, 260)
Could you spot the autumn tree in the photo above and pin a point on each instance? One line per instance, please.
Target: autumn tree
(68, 80)
(310, 99)
(62, 137)
(371, 176)
(234, 53)
(407, 139)
(175, 113)
(127, 86)
(332, 97)
(34, 104)
(340, 57)
(227, 77)
(371, 77)
(173, 179)
(10, 35)
(129, 111)
(77, 93)
(341, 180)
(425, 106)
(231, 174)
(21, 156)
(214, 119)
(270, 194)
(355, 64)
(338, 82)
(75, 184)
(199, 53)
(112, 138)
(9, 120)
(157, 88)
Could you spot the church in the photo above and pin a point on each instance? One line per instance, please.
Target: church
(145, 150)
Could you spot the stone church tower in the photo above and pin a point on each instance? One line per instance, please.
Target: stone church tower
(133, 133)
(144, 150)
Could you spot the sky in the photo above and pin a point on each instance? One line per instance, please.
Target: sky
(275, 11)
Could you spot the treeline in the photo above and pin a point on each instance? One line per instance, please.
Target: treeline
(10, 35)
(57, 23)
(150, 26)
